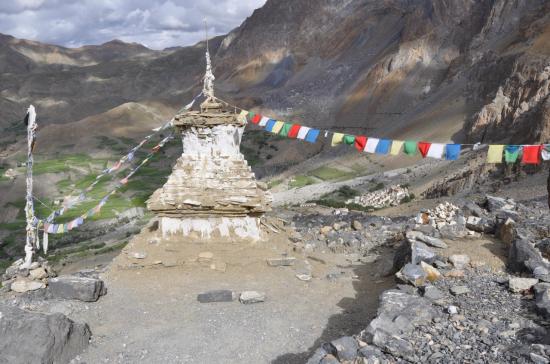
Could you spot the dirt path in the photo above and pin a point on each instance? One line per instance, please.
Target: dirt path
(151, 314)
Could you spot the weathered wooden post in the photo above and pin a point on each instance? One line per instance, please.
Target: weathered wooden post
(30, 120)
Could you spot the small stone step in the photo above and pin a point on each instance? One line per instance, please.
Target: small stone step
(219, 295)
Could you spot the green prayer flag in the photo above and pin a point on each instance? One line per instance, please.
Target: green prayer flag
(349, 139)
(511, 153)
(286, 128)
(410, 147)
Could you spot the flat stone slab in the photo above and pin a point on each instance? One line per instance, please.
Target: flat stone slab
(248, 297)
(25, 285)
(518, 285)
(459, 290)
(281, 262)
(76, 288)
(219, 295)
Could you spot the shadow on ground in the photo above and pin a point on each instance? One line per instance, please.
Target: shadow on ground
(356, 312)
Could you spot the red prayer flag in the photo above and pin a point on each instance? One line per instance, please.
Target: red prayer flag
(256, 119)
(360, 142)
(293, 132)
(424, 147)
(531, 154)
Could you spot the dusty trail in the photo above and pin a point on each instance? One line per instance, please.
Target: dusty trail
(151, 314)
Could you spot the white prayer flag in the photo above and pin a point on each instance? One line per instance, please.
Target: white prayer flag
(302, 133)
(436, 150)
(372, 143)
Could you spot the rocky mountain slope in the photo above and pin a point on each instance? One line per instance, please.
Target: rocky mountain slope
(459, 70)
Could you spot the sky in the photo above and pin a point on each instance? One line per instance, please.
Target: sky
(157, 24)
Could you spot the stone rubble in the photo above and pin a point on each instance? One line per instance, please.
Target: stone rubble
(391, 196)
(466, 313)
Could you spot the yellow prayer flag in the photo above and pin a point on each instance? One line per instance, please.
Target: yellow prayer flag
(277, 127)
(242, 116)
(494, 155)
(337, 138)
(396, 147)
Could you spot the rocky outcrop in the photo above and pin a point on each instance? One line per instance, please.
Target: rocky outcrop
(28, 337)
(520, 109)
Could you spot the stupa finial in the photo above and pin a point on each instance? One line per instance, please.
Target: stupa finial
(208, 87)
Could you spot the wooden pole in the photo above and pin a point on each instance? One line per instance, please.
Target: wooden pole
(29, 206)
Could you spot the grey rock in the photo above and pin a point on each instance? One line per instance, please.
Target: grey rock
(317, 356)
(281, 262)
(498, 203)
(28, 337)
(412, 252)
(435, 242)
(329, 359)
(433, 293)
(399, 312)
(22, 285)
(394, 345)
(480, 224)
(345, 347)
(356, 225)
(441, 265)
(538, 359)
(248, 297)
(76, 288)
(370, 351)
(523, 256)
(459, 290)
(220, 295)
(456, 231)
(542, 298)
(459, 261)
(542, 273)
(407, 288)
(472, 209)
(518, 285)
(544, 247)
(413, 274)
(431, 241)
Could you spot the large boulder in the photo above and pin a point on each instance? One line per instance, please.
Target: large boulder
(495, 204)
(399, 313)
(480, 224)
(523, 256)
(414, 252)
(76, 288)
(28, 337)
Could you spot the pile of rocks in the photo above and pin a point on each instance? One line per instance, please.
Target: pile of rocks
(391, 196)
(350, 233)
(83, 286)
(445, 220)
(31, 279)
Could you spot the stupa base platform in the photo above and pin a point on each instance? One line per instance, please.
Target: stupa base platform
(232, 228)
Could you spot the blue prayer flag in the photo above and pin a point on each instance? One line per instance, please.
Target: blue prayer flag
(270, 124)
(312, 135)
(383, 146)
(452, 151)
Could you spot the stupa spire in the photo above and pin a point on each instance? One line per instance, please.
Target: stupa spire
(208, 87)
